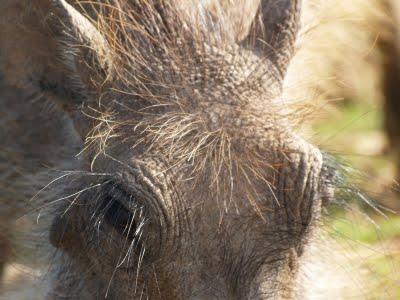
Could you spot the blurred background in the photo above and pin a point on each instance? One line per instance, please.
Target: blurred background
(349, 61)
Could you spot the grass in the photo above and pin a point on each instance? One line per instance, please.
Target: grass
(374, 251)
(354, 132)
(366, 232)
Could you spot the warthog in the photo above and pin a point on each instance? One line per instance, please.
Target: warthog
(191, 181)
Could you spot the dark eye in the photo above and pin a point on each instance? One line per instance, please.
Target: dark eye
(122, 212)
(125, 220)
(120, 218)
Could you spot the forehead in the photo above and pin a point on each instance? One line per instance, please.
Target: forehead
(222, 95)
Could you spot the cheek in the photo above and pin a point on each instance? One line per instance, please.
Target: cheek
(278, 278)
(61, 235)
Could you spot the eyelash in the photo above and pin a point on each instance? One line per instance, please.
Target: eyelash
(121, 211)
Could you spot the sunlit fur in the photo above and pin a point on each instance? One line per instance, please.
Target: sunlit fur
(162, 93)
(169, 97)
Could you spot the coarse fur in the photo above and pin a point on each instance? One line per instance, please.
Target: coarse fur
(168, 165)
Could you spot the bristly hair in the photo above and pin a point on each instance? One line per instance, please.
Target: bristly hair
(182, 85)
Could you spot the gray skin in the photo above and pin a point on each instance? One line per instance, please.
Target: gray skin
(191, 183)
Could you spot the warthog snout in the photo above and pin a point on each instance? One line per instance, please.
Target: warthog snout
(237, 233)
(191, 181)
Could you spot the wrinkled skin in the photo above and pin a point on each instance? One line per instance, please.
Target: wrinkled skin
(147, 214)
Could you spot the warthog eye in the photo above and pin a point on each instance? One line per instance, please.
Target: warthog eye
(122, 212)
(120, 218)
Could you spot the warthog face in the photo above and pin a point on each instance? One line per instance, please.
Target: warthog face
(193, 184)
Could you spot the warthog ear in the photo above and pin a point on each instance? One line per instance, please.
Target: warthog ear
(267, 27)
(48, 46)
(273, 31)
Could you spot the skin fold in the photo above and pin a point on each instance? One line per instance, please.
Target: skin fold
(190, 181)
